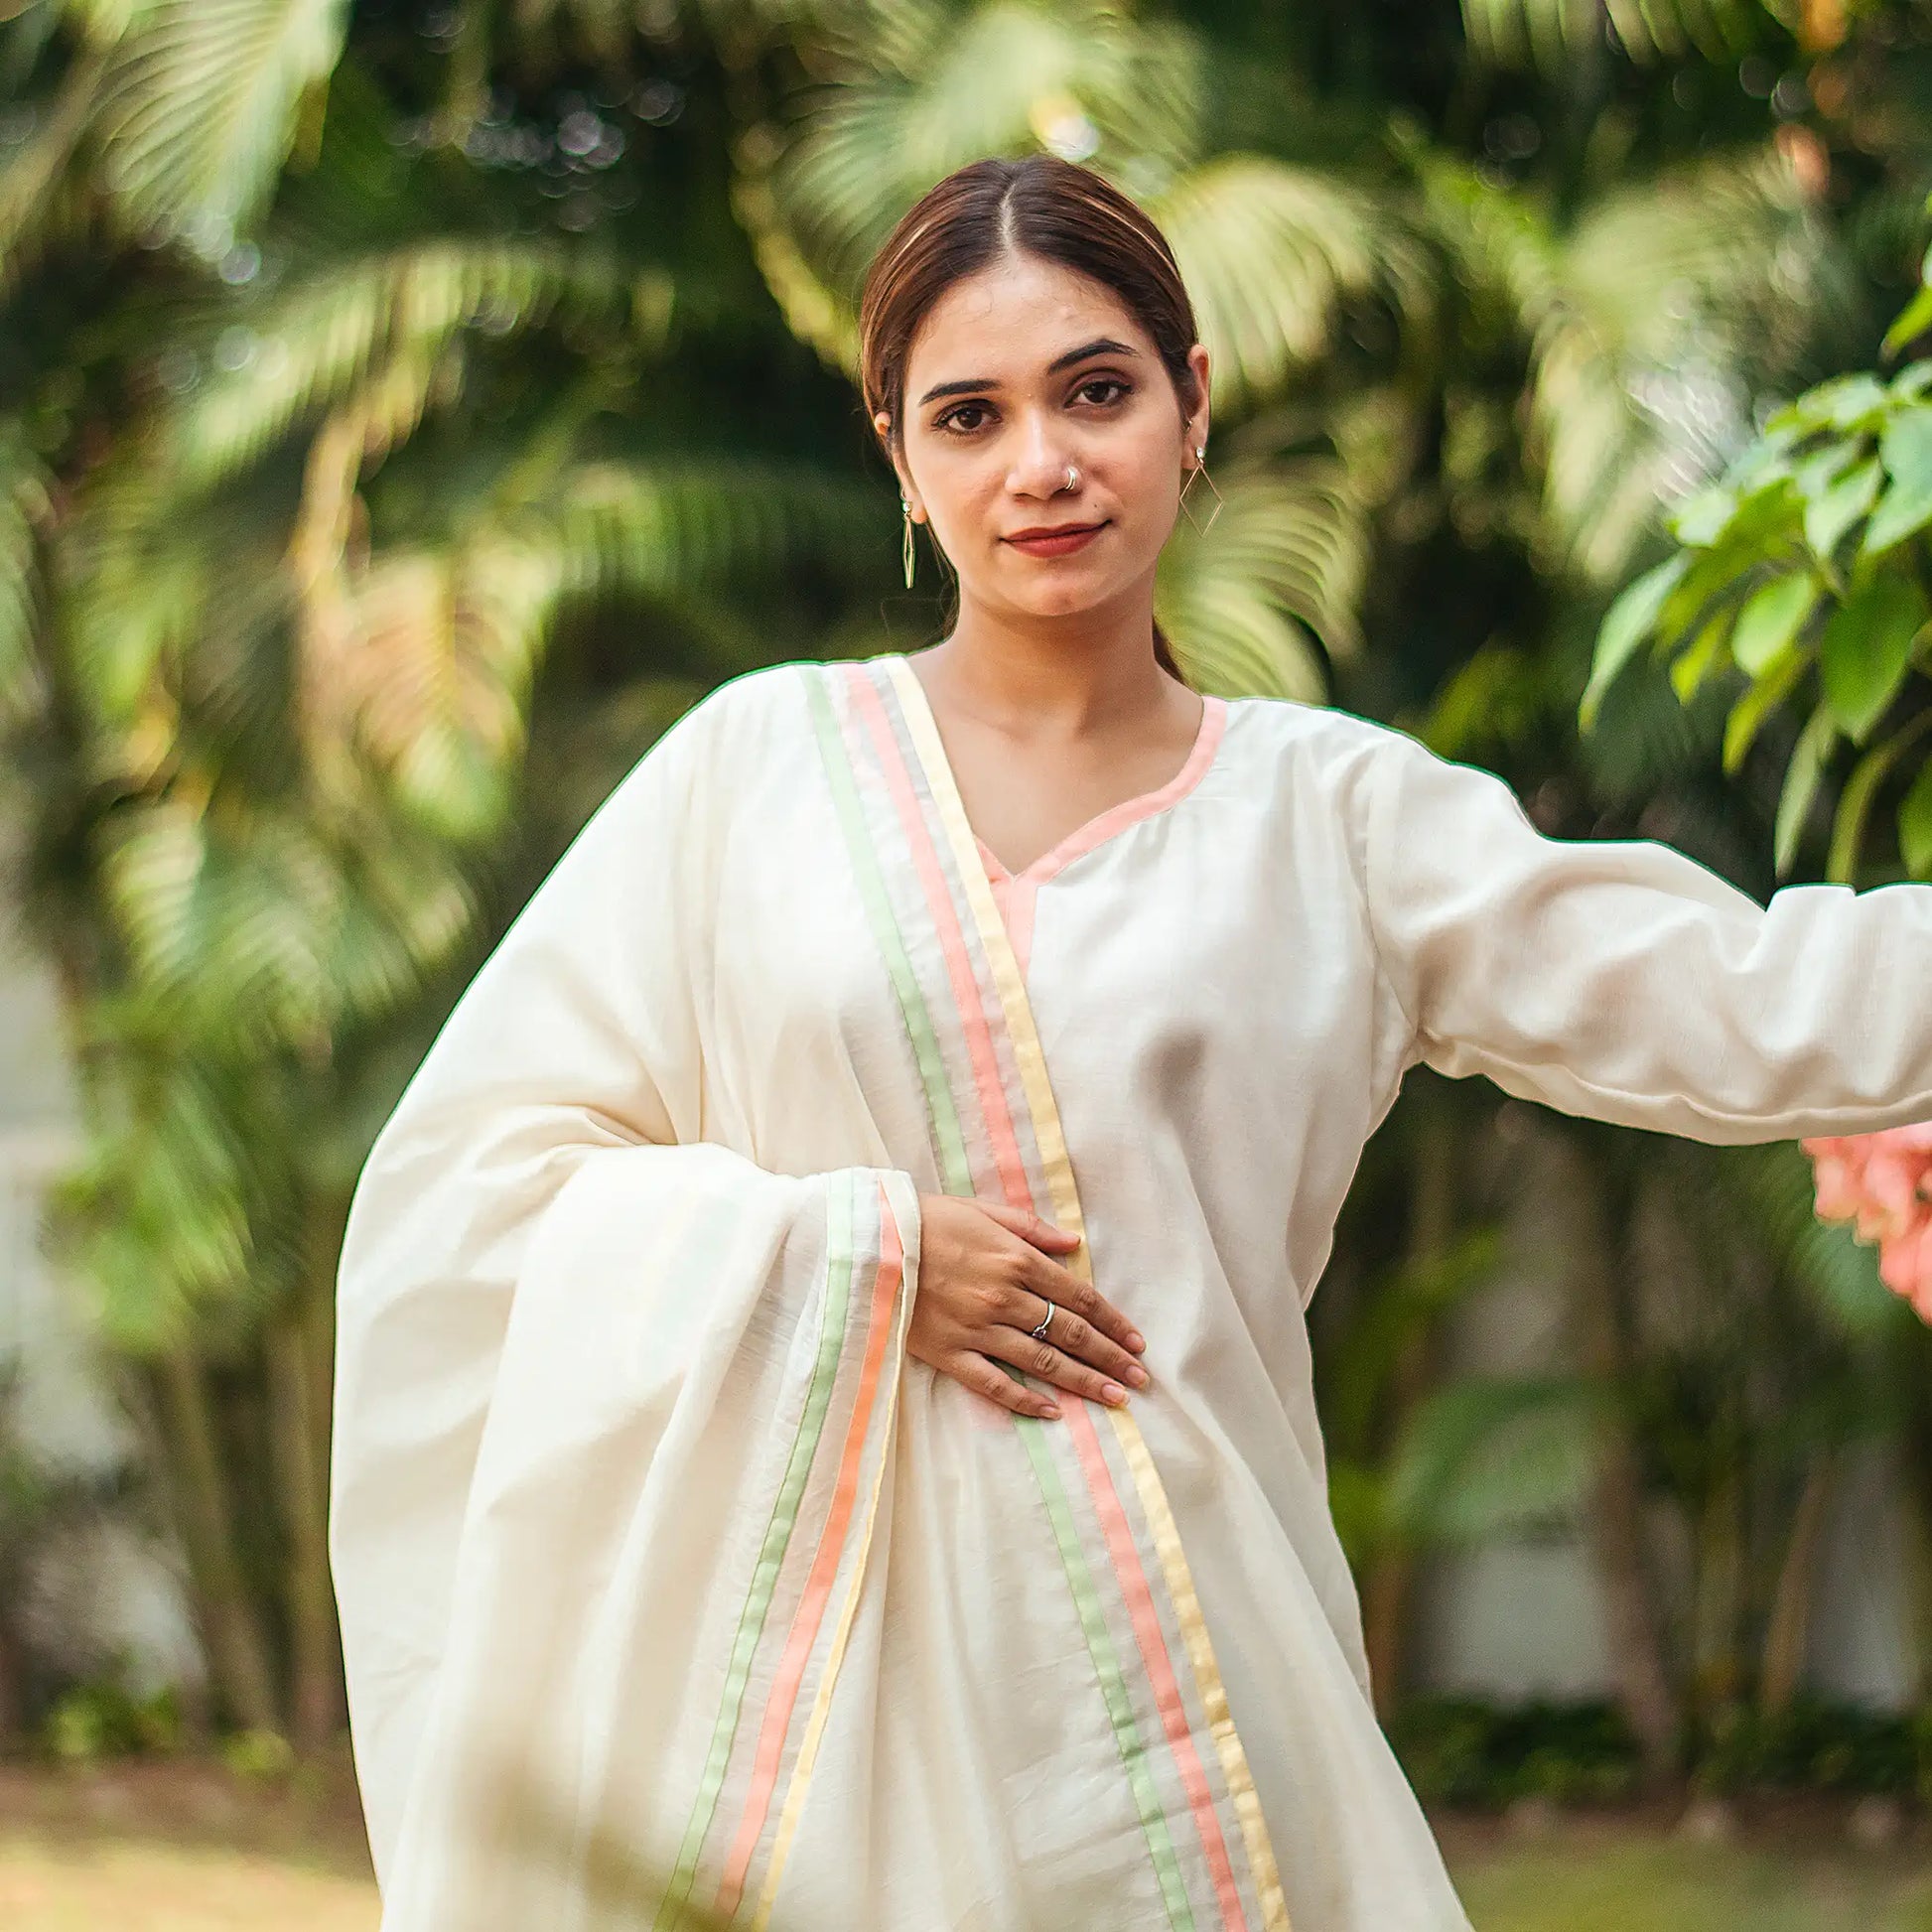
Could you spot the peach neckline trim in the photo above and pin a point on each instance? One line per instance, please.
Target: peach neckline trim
(1130, 811)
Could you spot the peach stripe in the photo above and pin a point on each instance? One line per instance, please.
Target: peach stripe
(959, 966)
(1065, 1203)
(824, 1572)
(1160, 1665)
(1118, 1536)
(802, 1775)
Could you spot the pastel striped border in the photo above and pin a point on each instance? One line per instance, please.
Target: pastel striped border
(849, 1248)
(898, 1217)
(1064, 1196)
(1010, 1178)
(874, 738)
(990, 1018)
(825, 1572)
(839, 1259)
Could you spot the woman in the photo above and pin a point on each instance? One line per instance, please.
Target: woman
(824, 1424)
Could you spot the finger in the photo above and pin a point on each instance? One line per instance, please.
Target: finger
(1030, 1227)
(1072, 1334)
(992, 1381)
(1043, 1276)
(1042, 1360)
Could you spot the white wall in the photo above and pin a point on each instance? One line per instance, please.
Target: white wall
(1524, 1618)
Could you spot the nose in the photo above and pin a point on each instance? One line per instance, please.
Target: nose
(1039, 460)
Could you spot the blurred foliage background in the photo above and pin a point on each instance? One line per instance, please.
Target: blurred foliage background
(408, 407)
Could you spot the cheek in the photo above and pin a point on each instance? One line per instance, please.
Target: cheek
(1145, 481)
(958, 485)
(1147, 453)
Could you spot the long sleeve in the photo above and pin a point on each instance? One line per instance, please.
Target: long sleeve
(1623, 981)
(553, 1295)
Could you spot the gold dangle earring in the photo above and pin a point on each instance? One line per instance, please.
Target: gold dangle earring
(1200, 470)
(906, 549)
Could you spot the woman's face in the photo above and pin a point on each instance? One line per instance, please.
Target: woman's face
(1014, 374)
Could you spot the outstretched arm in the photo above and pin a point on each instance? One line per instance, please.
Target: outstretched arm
(1621, 980)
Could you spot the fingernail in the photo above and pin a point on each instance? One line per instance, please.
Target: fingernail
(1137, 1376)
(1113, 1392)
(1135, 1339)
(1051, 1412)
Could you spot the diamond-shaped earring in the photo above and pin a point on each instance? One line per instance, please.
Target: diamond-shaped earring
(905, 548)
(1200, 470)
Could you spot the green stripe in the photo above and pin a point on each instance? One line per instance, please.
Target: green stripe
(949, 1142)
(1106, 1660)
(942, 1108)
(839, 1257)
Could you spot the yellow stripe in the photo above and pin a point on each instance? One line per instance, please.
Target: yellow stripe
(802, 1773)
(1058, 1167)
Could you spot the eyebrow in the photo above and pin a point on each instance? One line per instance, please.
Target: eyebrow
(1100, 345)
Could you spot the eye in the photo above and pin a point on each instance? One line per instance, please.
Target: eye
(1106, 382)
(946, 421)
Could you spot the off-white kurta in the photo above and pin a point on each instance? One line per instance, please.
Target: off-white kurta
(643, 1518)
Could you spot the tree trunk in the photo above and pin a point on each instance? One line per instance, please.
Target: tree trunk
(237, 1649)
(1389, 1588)
(314, 1658)
(1717, 1673)
(1790, 1620)
(1634, 1625)
(13, 1712)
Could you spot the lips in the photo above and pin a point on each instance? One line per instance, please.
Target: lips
(1057, 543)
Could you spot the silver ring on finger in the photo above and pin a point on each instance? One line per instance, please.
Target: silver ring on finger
(1045, 1320)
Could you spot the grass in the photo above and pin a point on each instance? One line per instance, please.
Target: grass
(184, 1848)
(1793, 1868)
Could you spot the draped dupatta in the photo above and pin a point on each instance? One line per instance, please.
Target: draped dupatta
(618, 1450)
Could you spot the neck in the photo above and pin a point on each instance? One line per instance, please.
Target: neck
(1057, 675)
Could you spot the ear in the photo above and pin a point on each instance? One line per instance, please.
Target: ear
(883, 424)
(1198, 422)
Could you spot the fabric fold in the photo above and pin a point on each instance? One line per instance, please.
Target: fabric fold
(664, 1544)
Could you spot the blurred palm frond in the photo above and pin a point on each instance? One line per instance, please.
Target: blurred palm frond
(1254, 603)
(24, 512)
(1545, 34)
(1650, 323)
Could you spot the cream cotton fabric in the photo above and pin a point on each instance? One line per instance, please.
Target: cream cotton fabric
(668, 1581)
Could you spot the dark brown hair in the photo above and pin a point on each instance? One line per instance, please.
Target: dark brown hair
(1040, 205)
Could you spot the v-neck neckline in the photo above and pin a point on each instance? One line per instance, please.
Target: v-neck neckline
(1103, 825)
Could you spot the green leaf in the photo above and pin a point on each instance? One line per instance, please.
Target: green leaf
(1846, 402)
(1915, 825)
(1700, 517)
(1827, 462)
(1625, 625)
(1704, 656)
(1749, 713)
(1807, 766)
(1913, 321)
(1906, 447)
(1770, 620)
(1867, 646)
(1855, 802)
(1912, 381)
(1828, 517)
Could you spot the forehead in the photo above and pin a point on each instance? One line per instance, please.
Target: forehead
(1011, 317)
